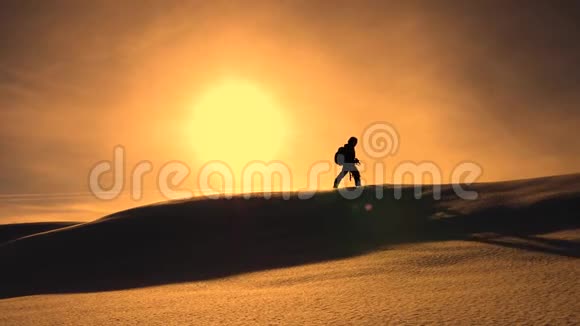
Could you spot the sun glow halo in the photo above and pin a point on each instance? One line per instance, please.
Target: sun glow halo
(237, 122)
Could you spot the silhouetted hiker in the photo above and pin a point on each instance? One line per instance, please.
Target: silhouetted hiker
(346, 156)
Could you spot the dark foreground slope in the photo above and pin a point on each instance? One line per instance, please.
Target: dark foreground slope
(202, 239)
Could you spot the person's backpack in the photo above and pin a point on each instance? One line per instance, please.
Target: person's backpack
(339, 155)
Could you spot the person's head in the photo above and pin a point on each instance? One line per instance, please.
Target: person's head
(352, 141)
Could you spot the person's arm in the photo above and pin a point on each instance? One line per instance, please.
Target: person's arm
(355, 160)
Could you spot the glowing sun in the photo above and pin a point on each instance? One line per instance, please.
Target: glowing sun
(237, 122)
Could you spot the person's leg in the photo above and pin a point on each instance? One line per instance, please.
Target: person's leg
(356, 176)
(339, 177)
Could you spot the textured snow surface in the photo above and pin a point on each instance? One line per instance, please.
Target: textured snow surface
(453, 282)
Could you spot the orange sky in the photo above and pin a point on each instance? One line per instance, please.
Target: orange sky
(493, 84)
